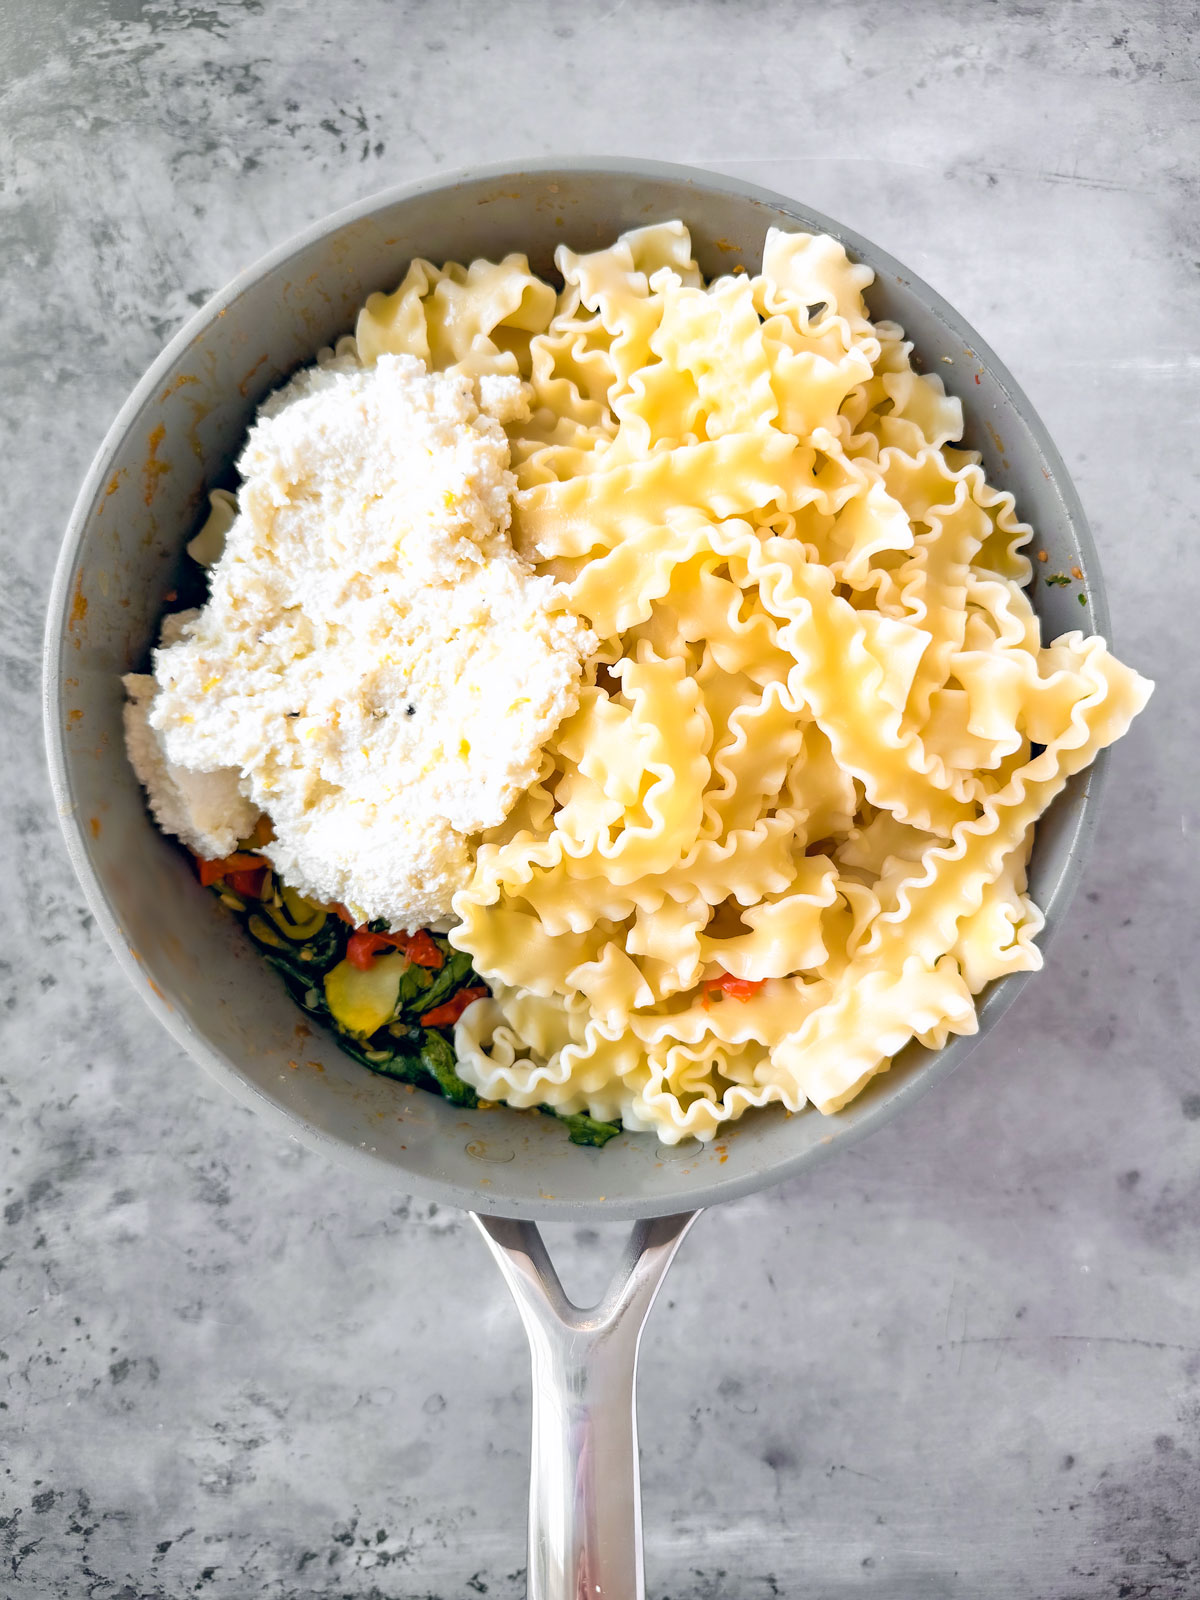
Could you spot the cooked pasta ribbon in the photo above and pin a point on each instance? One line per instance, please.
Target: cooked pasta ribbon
(822, 725)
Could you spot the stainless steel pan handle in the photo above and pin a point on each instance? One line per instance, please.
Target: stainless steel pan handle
(585, 1511)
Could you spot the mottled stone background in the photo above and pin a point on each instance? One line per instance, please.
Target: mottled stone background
(965, 1360)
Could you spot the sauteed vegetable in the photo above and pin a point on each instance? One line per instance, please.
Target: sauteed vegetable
(391, 998)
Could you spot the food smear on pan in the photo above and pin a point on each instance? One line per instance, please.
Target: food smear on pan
(636, 688)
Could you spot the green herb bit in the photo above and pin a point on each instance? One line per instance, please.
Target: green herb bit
(304, 964)
(1083, 599)
(1059, 578)
(387, 1063)
(438, 1060)
(413, 986)
(583, 1129)
(454, 974)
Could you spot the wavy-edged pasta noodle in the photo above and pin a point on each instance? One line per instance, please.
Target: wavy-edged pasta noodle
(822, 725)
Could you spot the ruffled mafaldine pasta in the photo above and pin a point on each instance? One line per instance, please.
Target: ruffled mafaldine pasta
(786, 830)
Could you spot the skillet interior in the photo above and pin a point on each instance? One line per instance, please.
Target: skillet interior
(179, 434)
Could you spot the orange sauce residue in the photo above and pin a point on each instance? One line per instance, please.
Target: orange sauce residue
(172, 388)
(94, 825)
(110, 488)
(154, 469)
(74, 716)
(244, 386)
(76, 615)
(79, 603)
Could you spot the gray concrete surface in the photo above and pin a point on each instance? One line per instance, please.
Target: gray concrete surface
(965, 1360)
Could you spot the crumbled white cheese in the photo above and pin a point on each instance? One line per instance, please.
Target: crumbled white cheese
(205, 809)
(375, 659)
(175, 625)
(503, 397)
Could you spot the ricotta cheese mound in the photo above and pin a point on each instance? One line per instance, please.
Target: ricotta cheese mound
(207, 810)
(375, 660)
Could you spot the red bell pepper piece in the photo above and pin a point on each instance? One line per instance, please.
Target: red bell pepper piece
(423, 952)
(363, 946)
(247, 882)
(735, 988)
(445, 1016)
(240, 861)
